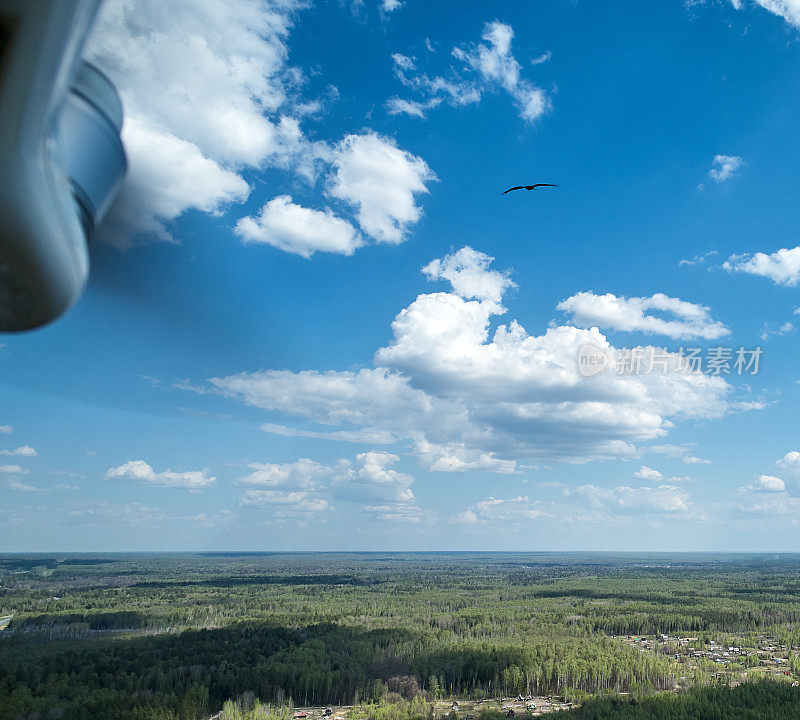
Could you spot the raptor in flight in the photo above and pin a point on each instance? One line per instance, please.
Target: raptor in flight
(528, 187)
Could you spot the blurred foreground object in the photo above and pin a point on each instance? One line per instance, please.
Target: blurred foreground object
(61, 157)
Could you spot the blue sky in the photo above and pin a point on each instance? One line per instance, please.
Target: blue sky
(315, 323)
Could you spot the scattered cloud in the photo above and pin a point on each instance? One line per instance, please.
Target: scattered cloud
(666, 499)
(372, 475)
(209, 99)
(790, 463)
(380, 181)
(369, 436)
(669, 450)
(485, 66)
(14, 470)
(21, 451)
(306, 486)
(458, 458)
(769, 330)
(765, 505)
(389, 6)
(789, 10)
(767, 483)
(21, 486)
(398, 106)
(6, 429)
(648, 473)
(724, 167)
(393, 513)
(168, 175)
(618, 502)
(302, 474)
(700, 259)
(470, 274)
(769, 496)
(635, 314)
(497, 67)
(781, 266)
(508, 510)
(296, 229)
(694, 460)
(135, 514)
(285, 503)
(543, 58)
(468, 400)
(141, 471)
(371, 177)
(204, 84)
(212, 519)
(455, 91)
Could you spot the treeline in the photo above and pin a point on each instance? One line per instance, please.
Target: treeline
(314, 665)
(763, 700)
(118, 620)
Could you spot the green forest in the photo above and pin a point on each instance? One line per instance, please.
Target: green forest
(255, 635)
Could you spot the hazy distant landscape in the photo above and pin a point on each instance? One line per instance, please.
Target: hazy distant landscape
(394, 636)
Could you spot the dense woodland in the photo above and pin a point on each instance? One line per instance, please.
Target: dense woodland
(751, 701)
(176, 636)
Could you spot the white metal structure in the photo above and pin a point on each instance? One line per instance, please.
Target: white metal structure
(61, 158)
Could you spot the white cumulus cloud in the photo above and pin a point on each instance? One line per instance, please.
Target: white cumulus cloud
(666, 499)
(305, 486)
(299, 230)
(647, 473)
(781, 266)
(789, 10)
(470, 395)
(389, 6)
(21, 486)
(688, 320)
(724, 167)
(21, 451)
(301, 474)
(212, 519)
(372, 476)
(768, 483)
(470, 275)
(143, 472)
(381, 181)
(790, 462)
(14, 470)
(285, 503)
(198, 79)
(520, 509)
(209, 99)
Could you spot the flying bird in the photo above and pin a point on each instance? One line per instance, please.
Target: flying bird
(528, 187)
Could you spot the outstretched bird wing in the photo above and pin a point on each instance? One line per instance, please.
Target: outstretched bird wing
(532, 187)
(516, 187)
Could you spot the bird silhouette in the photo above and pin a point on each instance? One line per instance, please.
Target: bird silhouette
(528, 187)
